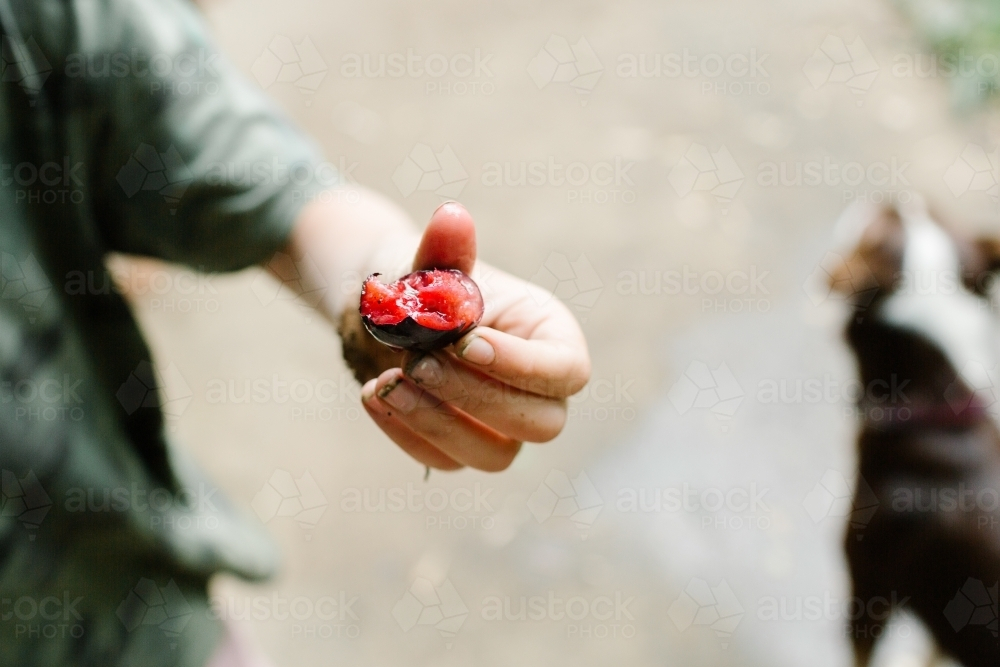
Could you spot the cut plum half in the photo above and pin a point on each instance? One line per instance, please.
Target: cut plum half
(423, 311)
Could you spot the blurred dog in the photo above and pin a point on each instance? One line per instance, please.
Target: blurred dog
(925, 533)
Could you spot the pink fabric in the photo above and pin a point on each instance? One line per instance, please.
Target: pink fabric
(236, 651)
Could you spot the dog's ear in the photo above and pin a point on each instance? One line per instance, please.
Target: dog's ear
(877, 260)
(981, 263)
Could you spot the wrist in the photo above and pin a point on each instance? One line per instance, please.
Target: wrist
(338, 242)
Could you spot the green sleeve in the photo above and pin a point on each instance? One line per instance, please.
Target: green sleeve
(194, 163)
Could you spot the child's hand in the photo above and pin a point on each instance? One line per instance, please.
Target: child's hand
(473, 403)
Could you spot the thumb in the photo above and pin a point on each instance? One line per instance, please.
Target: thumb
(449, 242)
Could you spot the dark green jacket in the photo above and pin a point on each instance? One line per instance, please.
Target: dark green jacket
(121, 129)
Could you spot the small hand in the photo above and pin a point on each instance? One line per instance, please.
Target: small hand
(505, 382)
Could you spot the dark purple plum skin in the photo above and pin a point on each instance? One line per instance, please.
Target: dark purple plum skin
(408, 335)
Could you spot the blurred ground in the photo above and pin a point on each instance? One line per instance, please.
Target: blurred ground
(731, 564)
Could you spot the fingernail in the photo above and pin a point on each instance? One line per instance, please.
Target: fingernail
(368, 390)
(427, 371)
(478, 351)
(443, 204)
(401, 396)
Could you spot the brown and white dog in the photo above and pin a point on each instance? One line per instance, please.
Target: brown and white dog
(929, 464)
